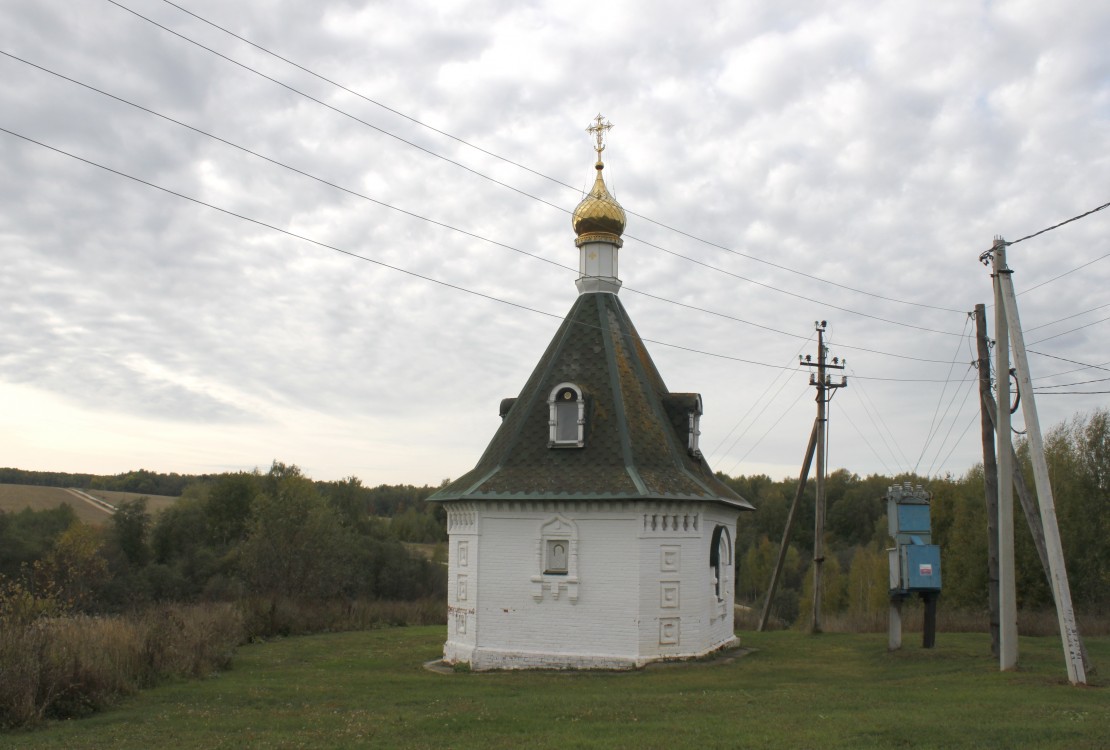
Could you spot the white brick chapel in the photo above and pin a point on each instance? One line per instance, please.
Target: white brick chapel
(592, 533)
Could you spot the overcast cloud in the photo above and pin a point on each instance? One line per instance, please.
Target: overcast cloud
(875, 146)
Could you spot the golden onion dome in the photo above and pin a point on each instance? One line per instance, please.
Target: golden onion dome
(599, 216)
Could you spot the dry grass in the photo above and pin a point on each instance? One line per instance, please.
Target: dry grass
(72, 666)
(267, 617)
(65, 667)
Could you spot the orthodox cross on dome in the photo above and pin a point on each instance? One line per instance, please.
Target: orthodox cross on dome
(598, 130)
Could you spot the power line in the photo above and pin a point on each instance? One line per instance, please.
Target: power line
(1068, 372)
(1068, 385)
(868, 442)
(1068, 393)
(1065, 333)
(535, 171)
(414, 215)
(1057, 226)
(762, 437)
(956, 444)
(1065, 273)
(952, 426)
(940, 399)
(1084, 366)
(785, 375)
(504, 184)
(1069, 317)
(351, 254)
(865, 399)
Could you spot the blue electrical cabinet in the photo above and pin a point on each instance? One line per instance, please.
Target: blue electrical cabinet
(914, 560)
(921, 563)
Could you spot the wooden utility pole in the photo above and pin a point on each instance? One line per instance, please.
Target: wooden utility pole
(825, 389)
(990, 468)
(802, 477)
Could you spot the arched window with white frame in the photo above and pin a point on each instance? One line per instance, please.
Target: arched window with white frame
(720, 561)
(567, 408)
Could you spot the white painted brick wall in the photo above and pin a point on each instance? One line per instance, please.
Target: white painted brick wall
(616, 620)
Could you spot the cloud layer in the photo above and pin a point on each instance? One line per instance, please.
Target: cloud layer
(876, 148)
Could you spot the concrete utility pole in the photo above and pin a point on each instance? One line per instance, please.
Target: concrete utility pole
(1007, 590)
(1009, 330)
(825, 390)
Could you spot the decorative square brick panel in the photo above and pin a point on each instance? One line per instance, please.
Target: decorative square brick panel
(668, 631)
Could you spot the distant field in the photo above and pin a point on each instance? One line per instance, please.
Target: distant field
(794, 690)
(16, 497)
(154, 503)
(427, 551)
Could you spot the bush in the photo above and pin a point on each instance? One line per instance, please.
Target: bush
(65, 667)
(282, 616)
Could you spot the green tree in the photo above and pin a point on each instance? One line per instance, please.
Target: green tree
(868, 583)
(130, 524)
(296, 545)
(227, 506)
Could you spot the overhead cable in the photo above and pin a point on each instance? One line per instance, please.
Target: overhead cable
(974, 414)
(1065, 333)
(940, 399)
(1068, 393)
(867, 442)
(1065, 273)
(785, 376)
(1084, 365)
(1057, 226)
(955, 418)
(536, 172)
(763, 437)
(421, 217)
(500, 182)
(1069, 317)
(1068, 385)
(872, 412)
(352, 254)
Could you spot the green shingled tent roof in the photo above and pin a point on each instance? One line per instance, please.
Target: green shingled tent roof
(636, 431)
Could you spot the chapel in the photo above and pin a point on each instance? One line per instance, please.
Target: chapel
(592, 532)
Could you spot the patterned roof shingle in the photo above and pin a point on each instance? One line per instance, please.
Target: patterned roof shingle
(635, 434)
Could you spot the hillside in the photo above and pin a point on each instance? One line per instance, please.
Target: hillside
(16, 497)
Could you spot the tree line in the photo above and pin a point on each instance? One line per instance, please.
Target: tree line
(855, 574)
(228, 537)
(280, 534)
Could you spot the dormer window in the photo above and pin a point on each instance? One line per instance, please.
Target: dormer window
(695, 429)
(567, 417)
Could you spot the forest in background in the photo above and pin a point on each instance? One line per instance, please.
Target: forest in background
(855, 574)
(227, 537)
(280, 533)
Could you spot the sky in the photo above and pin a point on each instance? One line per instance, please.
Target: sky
(212, 257)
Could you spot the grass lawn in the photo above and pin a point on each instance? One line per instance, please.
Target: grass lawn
(793, 691)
